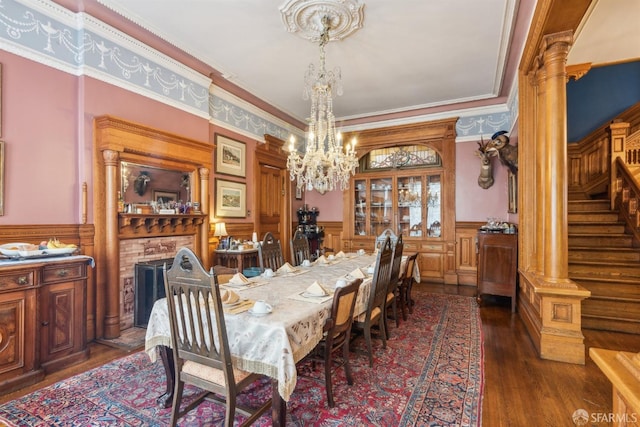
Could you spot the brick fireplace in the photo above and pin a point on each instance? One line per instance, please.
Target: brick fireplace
(135, 251)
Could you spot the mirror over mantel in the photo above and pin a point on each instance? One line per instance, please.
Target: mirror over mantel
(141, 183)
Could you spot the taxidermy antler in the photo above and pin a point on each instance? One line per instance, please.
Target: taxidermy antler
(486, 150)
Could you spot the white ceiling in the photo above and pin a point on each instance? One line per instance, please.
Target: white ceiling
(409, 54)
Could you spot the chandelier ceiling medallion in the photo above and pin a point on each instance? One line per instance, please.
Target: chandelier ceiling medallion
(326, 163)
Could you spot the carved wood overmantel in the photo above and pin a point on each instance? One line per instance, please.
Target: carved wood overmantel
(117, 141)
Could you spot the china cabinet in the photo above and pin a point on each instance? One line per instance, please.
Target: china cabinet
(405, 182)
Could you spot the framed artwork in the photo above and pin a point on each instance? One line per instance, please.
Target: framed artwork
(1, 178)
(231, 156)
(231, 199)
(298, 193)
(513, 193)
(161, 196)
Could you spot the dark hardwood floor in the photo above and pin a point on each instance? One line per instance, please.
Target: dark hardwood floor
(520, 389)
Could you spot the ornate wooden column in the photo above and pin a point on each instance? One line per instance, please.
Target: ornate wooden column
(554, 150)
(550, 303)
(204, 207)
(540, 77)
(112, 246)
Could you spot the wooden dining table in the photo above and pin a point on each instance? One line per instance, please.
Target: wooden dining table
(270, 344)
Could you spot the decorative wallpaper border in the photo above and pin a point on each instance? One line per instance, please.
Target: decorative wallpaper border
(79, 44)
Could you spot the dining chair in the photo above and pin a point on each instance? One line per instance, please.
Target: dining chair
(270, 253)
(373, 316)
(393, 288)
(406, 283)
(300, 248)
(387, 232)
(223, 273)
(199, 342)
(336, 336)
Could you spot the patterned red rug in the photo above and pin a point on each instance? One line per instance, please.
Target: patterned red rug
(431, 374)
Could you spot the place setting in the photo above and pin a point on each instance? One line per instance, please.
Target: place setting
(232, 303)
(240, 281)
(316, 292)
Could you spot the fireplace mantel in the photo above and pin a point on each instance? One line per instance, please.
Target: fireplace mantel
(134, 226)
(117, 141)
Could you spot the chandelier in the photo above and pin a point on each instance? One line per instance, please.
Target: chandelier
(326, 163)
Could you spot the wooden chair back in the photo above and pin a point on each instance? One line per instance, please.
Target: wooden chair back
(387, 232)
(270, 253)
(199, 341)
(300, 248)
(195, 324)
(223, 273)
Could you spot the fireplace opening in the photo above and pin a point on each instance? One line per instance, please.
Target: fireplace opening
(149, 287)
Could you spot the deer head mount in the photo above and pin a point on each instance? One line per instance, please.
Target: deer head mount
(497, 146)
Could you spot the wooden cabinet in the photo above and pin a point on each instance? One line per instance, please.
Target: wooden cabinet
(18, 326)
(42, 318)
(406, 182)
(497, 265)
(62, 314)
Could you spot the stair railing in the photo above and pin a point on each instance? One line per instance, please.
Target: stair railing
(626, 196)
(591, 160)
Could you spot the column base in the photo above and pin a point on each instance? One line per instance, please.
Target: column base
(552, 315)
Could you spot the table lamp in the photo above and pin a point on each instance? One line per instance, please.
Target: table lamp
(219, 232)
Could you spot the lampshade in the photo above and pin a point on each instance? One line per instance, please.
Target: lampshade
(220, 230)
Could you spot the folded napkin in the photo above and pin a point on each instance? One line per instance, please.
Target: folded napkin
(357, 274)
(341, 255)
(322, 260)
(239, 279)
(286, 268)
(317, 289)
(229, 297)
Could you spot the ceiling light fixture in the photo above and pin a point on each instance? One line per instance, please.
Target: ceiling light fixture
(326, 163)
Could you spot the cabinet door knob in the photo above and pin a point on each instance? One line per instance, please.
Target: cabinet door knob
(23, 280)
(62, 273)
(45, 323)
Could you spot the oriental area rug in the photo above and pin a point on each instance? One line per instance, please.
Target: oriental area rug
(430, 374)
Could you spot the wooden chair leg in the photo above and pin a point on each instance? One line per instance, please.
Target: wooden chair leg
(327, 376)
(347, 365)
(367, 337)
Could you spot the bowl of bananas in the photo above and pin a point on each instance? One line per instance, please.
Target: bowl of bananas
(56, 247)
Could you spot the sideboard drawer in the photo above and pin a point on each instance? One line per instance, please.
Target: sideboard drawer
(17, 279)
(56, 273)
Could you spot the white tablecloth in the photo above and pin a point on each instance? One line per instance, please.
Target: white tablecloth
(272, 344)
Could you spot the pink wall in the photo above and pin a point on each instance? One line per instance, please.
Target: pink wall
(48, 131)
(472, 202)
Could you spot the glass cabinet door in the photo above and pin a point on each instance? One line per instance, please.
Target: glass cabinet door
(381, 205)
(410, 213)
(361, 207)
(434, 210)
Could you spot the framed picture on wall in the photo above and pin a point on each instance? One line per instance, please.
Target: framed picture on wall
(298, 193)
(231, 156)
(513, 192)
(231, 199)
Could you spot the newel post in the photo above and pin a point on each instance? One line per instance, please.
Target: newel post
(617, 134)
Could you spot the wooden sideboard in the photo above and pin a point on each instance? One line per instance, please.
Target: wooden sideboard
(497, 265)
(42, 318)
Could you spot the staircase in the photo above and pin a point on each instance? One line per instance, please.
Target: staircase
(603, 259)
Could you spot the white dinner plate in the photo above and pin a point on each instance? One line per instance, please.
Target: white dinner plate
(12, 249)
(310, 295)
(254, 313)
